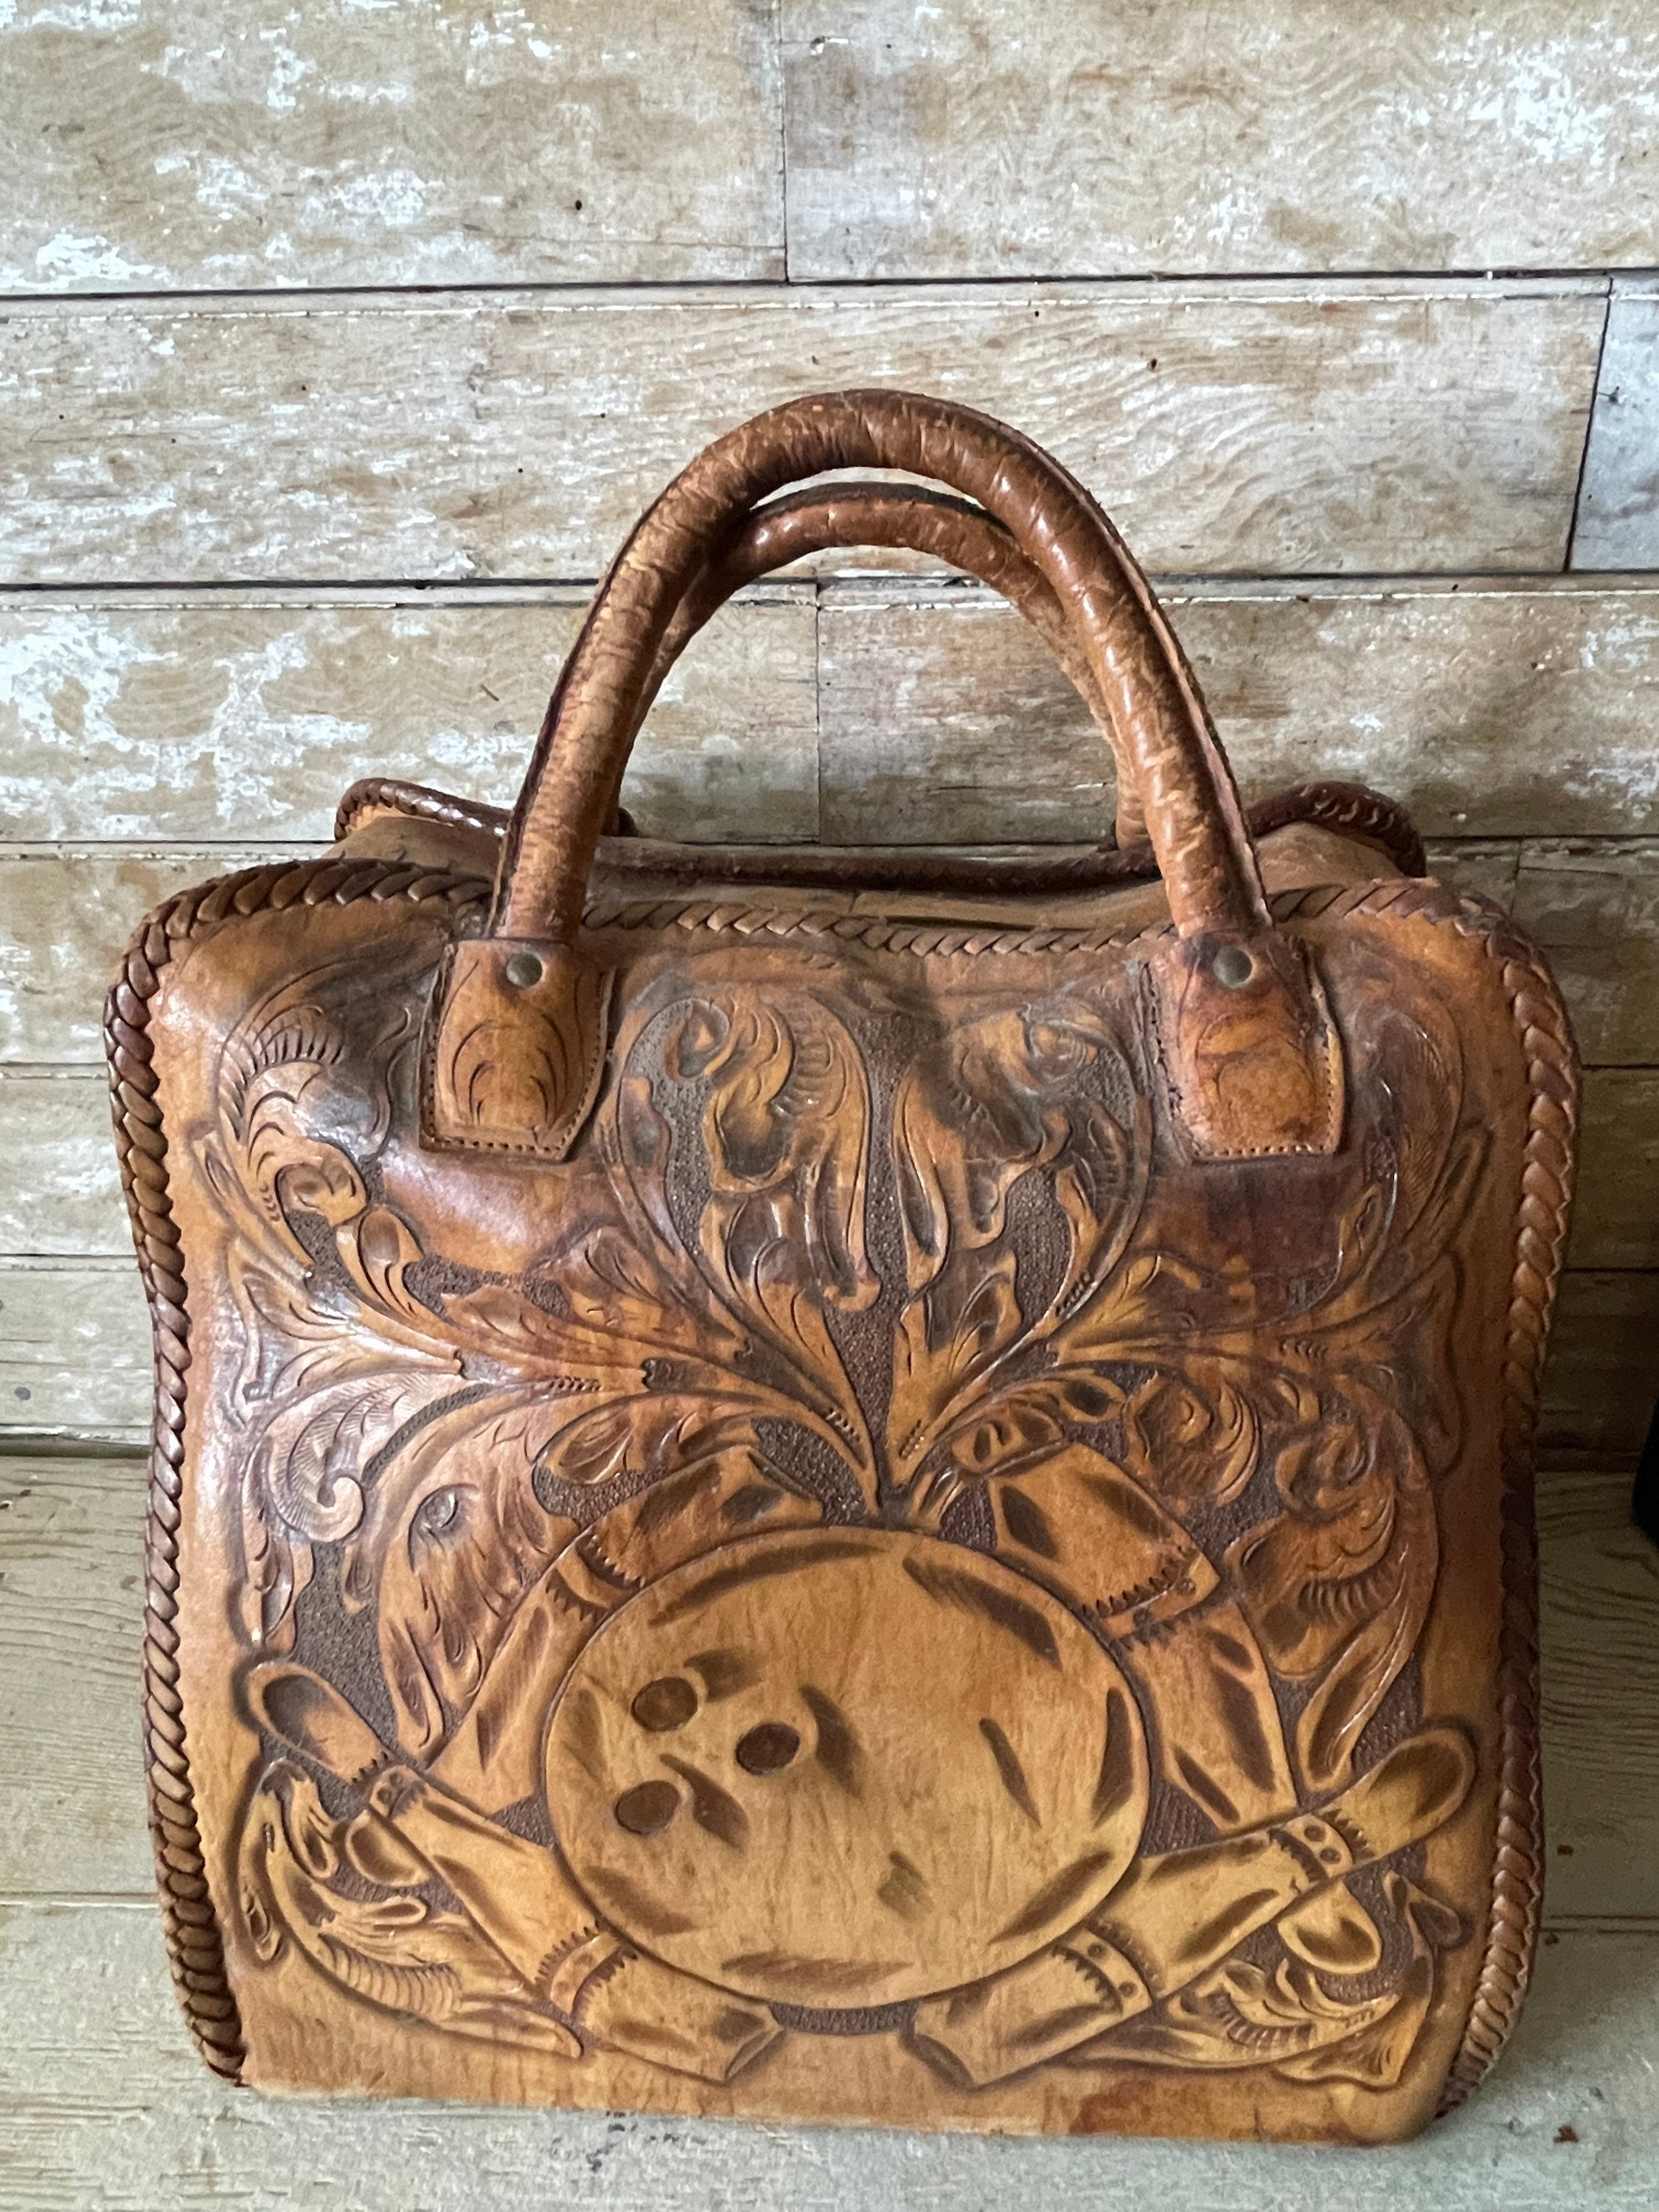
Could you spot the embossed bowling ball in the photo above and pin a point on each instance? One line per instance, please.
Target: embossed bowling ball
(845, 1767)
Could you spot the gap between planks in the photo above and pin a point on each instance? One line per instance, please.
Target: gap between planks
(924, 585)
(1175, 291)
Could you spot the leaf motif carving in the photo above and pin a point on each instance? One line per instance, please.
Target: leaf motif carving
(784, 1126)
(453, 1539)
(1027, 1092)
(1338, 1587)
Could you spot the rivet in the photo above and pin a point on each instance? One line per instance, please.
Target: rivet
(523, 968)
(1232, 966)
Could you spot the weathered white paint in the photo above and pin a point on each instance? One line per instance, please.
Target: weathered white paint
(436, 142)
(60, 1194)
(1303, 428)
(1594, 907)
(198, 715)
(1618, 506)
(1485, 710)
(1270, 134)
(74, 1351)
(67, 911)
(1345, 427)
(66, 917)
(1600, 1637)
(71, 1798)
(241, 715)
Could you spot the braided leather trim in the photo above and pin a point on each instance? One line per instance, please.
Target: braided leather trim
(394, 794)
(1352, 810)
(1541, 1221)
(195, 1944)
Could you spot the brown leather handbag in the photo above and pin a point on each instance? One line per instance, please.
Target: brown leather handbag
(819, 1487)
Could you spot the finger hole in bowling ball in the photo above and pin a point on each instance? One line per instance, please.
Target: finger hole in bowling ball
(768, 1748)
(667, 1703)
(647, 1807)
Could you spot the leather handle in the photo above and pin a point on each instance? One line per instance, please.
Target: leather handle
(515, 1056)
(906, 516)
(1193, 815)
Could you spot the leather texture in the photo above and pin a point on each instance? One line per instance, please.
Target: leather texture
(922, 521)
(1176, 768)
(917, 1514)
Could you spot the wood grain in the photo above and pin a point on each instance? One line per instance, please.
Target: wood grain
(1284, 427)
(1265, 135)
(1488, 710)
(1599, 1634)
(1484, 711)
(1301, 427)
(1618, 520)
(107, 2103)
(60, 1194)
(66, 916)
(242, 715)
(1603, 1380)
(75, 1349)
(1594, 909)
(424, 145)
(66, 911)
(1615, 1221)
(72, 1813)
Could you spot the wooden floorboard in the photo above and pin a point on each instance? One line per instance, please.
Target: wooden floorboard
(926, 712)
(338, 352)
(60, 1191)
(72, 1800)
(1618, 509)
(239, 716)
(105, 2105)
(1484, 710)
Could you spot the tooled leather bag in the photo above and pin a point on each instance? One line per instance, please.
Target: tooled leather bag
(870, 1489)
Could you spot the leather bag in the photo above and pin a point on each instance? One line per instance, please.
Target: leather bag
(845, 1487)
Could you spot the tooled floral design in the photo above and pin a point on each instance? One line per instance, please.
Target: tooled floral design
(755, 1203)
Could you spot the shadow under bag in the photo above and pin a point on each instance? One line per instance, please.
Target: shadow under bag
(819, 1486)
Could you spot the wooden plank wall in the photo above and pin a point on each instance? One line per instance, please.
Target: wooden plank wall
(338, 346)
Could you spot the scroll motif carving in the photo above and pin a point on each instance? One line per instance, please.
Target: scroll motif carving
(873, 1570)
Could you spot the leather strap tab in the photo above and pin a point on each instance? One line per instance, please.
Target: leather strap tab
(1251, 1057)
(514, 1046)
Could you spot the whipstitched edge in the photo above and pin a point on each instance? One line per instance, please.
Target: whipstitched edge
(195, 1943)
